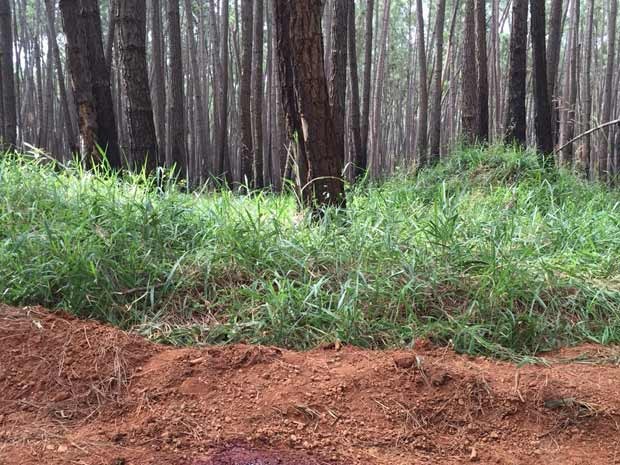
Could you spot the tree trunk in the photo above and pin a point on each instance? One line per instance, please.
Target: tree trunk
(483, 71)
(542, 115)
(256, 103)
(568, 126)
(221, 139)
(245, 94)
(9, 105)
(606, 163)
(516, 112)
(376, 152)
(553, 60)
(365, 122)
(201, 130)
(306, 100)
(338, 70)
(358, 161)
(64, 100)
(587, 158)
(159, 80)
(90, 81)
(176, 115)
(131, 19)
(470, 111)
(422, 145)
(107, 132)
(435, 136)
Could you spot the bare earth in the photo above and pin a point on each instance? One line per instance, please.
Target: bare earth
(78, 392)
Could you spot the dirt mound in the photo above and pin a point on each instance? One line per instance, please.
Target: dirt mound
(80, 392)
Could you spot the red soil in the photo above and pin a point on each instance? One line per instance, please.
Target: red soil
(78, 392)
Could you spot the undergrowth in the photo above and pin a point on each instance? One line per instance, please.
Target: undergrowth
(487, 252)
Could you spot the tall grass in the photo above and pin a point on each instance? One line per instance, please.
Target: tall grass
(487, 251)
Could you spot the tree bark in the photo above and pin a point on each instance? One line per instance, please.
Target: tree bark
(435, 136)
(245, 95)
(9, 104)
(358, 160)
(306, 100)
(606, 163)
(131, 19)
(553, 60)
(542, 115)
(256, 102)
(90, 81)
(158, 87)
(176, 115)
(470, 111)
(365, 121)
(483, 71)
(516, 112)
(422, 145)
(338, 70)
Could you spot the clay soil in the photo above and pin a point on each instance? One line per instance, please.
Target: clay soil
(78, 392)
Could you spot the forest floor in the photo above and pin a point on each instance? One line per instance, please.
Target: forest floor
(79, 392)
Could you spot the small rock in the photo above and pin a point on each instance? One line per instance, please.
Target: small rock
(404, 362)
(473, 457)
(62, 449)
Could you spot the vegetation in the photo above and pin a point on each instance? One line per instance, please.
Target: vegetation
(487, 251)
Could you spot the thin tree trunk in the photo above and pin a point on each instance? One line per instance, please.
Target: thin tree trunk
(516, 111)
(358, 160)
(176, 115)
(245, 93)
(9, 103)
(470, 111)
(256, 104)
(422, 145)
(483, 71)
(435, 136)
(542, 118)
(365, 121)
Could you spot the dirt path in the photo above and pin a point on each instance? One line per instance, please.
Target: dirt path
(74, 392)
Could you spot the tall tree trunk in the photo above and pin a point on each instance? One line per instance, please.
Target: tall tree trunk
(202, 130)
(107, 133)
(257, 94)
(245, 94)
(9, 104)
(553, 60)
(221, 140)
(483, 71)
(422, 131)
(470, 111)
(64, 100)
(365, 121)
(306, 100)
(587, 159)
(131, 18)
(90, 81)
(568, 126)
(435, 136)
(606, 162)
(158, 88)
(338, 70)
(376, 160)
(176, 115)
(542, 117)
(358, 160)
(516, 113)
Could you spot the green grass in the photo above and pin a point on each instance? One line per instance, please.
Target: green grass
(487, 252)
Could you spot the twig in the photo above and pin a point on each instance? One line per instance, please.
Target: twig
(587, 133)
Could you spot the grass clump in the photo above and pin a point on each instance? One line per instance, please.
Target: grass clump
(487, 251)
